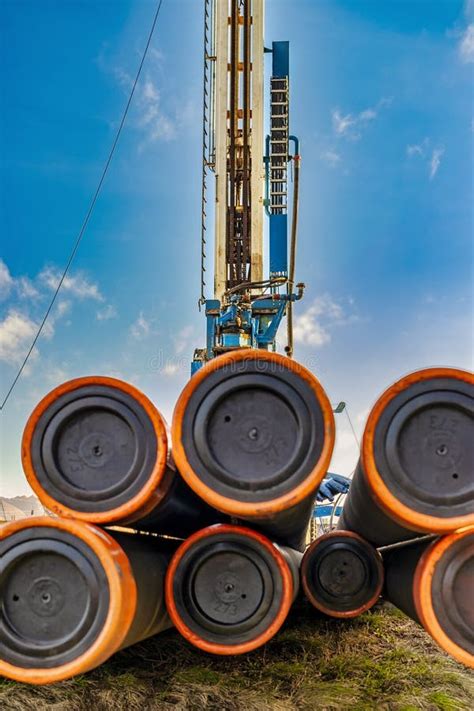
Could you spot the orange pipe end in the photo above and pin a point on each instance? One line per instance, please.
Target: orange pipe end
(144, 500)
(245, 509)
(397, 510)
(196, 636)
(374, 557)
(426, 585)
(122, 600)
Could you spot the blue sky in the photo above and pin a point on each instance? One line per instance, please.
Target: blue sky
(382, 102)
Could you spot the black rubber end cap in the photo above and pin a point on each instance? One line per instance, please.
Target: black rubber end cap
(342, 574)
(253, 430)
(452, 591)
(227, 590)
(424, 447)
(93, 449)
(54, 598)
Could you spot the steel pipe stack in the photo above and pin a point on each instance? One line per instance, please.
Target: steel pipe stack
(414, 483)
(95, 450)
(215, 532)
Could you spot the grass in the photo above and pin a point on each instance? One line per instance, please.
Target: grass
(381, 660)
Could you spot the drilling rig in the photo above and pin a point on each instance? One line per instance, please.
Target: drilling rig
(251, 180)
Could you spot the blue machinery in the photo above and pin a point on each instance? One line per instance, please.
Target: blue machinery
(247, 309)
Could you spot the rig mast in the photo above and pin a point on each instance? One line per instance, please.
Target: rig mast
(251, 177)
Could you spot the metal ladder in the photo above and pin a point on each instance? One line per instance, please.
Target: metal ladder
(208, 145)
(278, 163)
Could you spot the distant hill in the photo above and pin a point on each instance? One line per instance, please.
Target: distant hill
(8, 512)
(29, 505)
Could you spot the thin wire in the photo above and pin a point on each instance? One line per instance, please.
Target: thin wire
(90, 210)
(352, 426)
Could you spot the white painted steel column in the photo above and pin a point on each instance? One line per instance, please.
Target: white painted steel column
(221, 143)
(258, 171)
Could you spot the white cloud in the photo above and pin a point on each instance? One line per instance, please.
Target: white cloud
(182, 339)
(331, 157)
(170, 369)
(17, 331)
(107, 313)
(342, 124)
(156, 54)
(141, 328)
(313, 327)
(466, 44)
(56, 374)
(367, 115)
(150, 92)
(433, 157)
(308, 331)
(188, 114)
(123, 77)
(417, 149)
(153, 119)
(350, 125)
(26, 303)
(6, 280)
(435, 161)
(62, 308)
(26, 289)
(76, 284)
(23, 286)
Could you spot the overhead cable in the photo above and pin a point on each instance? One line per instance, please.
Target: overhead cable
(89, 211)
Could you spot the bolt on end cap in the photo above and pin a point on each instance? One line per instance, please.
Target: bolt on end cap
(62, 602)
(418, 449)
(95, 448)
(342, 574)
(228, 589)
(444, 591)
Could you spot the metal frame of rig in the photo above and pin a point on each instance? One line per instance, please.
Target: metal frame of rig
(246, 309)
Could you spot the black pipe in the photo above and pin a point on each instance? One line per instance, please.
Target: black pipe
(73, 594)
(253, 433)
(97, 449)
(342, 574)
(432, 581)
(229, 588)
(415, 471)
